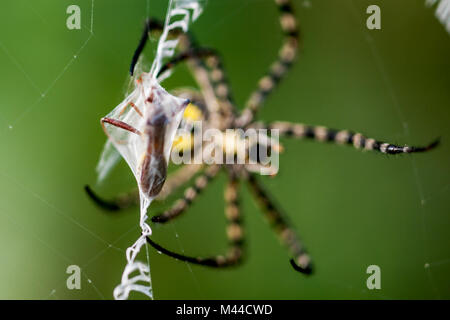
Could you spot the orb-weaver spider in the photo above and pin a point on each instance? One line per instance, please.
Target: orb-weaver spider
(215, 107)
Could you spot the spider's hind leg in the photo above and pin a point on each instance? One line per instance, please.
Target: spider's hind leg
(118, 203)
(129, 199)
(235, 234)
(301, 260)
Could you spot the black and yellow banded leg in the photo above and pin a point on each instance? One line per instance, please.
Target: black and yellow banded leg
(235, 234)
(178, 179)
(234, 228)
(319, 133)
(180, 206)
(190, 53)
(210, 61)
(129, 199)
(279, 68)
(301, 260)
(221, 86)
(206, 65)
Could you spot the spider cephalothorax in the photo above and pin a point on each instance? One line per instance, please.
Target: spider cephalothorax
(213, 105)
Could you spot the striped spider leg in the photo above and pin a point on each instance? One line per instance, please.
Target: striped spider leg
(219, 112)
(181, 205)
(342, 137)
(279, 67)
(280, 224)
(235, 231)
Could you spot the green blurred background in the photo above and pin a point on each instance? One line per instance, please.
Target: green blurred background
(352, 209)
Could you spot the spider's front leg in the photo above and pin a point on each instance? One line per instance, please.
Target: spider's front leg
(235, 234)
(150, 25)
(322, 134)
(279, 68)
(210, 74)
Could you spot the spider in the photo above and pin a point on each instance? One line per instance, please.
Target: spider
(214, 105)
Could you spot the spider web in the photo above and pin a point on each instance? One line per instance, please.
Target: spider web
(61, 212)
(169, 104)
(136, 275)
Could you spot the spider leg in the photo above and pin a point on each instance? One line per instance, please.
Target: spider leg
(177, 179)
(190, 194)
(212, 60)
(209, 73)
(113, 205)
(150, 24)
(190, 53)
(220, 84)
(235, 234)
(195, 57)
(126, 200)
(359, 141)
(194, 96)
(301, 260)
(287, 54)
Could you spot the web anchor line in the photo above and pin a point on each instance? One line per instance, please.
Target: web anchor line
(153, 100)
